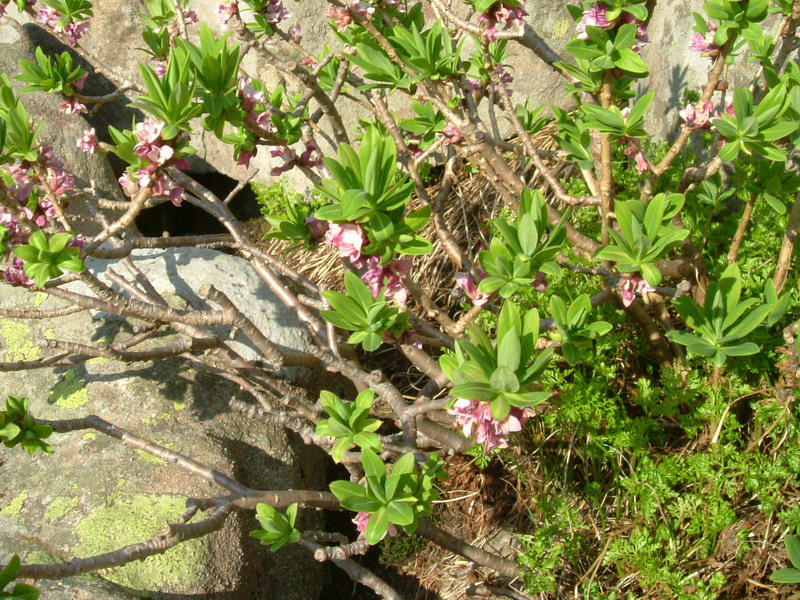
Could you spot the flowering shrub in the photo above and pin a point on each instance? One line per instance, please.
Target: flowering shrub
(600, 270)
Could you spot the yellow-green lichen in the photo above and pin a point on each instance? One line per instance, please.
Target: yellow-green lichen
(14, 508)
(561, 28)
(89, 436)
(128, 519)
(18, 341)
(59, 507)
(147, 457)
(178, 405)
(70, 393)
(38, 299)
(39, 557)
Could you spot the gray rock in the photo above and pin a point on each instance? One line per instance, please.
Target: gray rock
(59, 130)
(96, 494)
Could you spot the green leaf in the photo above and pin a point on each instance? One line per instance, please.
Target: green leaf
(376, 526)
(400, 513)
(344, 489)
(792, 543)
(373, 465)
(786, 576)
(7, 574)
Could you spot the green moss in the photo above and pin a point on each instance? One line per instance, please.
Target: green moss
(59, 507)
(19, 341)
(70, 393)
(14, 508)
(128, 519)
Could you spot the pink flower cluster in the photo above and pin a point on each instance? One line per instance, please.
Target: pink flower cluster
(310, 157)
(451, 134)
(350, 239)
(478, 423)
(705, 43)
(189, 17)
(275, 12)
(596, 16)
(44, 216)
(74, 30)
(467, 283)
(501, 14)
(343, 17)
(641, 165)
(88, 142)
(361, 519)
(698, 117)
(631, 286)
(70, 105)
(480, 89)
(226, 12)
(159, 155)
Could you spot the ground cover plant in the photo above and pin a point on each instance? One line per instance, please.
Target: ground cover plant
(612, 366)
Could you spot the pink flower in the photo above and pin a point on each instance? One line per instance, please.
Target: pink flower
(451, 134)
(78, 85)
(312, 155)
(477, 422)
(71, 106)
(289, 157)
(503, 14)
(128, 185)
(164, 188)
(641, 163)
(317, 228)
(88, 143)
(275, 12)
(377, 276)
(159, 67)
(75, 31)
(341, 17)
(149, 130)
(361, 519)
(540, 283)
(632, 285)
(226, 12)
(595, 17)
(698, 119)
(61, 182)
(704, 42)
(250, 97)
(467, 283)
(48, 16)
(3, 6)
(245, 156)
(23, 184)
(296, 34)
(189, 17)
(15, 274)
(349, 238)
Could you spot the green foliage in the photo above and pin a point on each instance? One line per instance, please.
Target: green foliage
(71, 10)
(611, 121)
(369, 320)
(46, 75)
(503, 373)
(790, 575)
(425, 125)
(430, 53)
(399, 497)
(18, 427)
(646, 235)
(21, 591)
(47, 258)
(724, 322)
(522, 248)
(572, 329)
(609, 49)
(349, 423)
(277, 528)
(16, 135)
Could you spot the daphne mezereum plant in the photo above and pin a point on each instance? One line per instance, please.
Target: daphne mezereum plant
(582, 213)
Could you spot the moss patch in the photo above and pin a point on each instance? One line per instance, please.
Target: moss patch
(561, 28)
(19, 342)
(128, 519)
(14, 508)
(70, 393)
(59, 507)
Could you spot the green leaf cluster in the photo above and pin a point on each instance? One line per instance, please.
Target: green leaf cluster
(646, 235)
(522, 248)
(21, 591)
(725, 320)
(426, 124)
(609, 49)
(369, 319)
(399, 497)
(367, 187)
(754, 130)
(46, 258)
(17, 137)
(277, 528)
(572, 329)
(611, 121)
(46, 75)
(349, 423)
(18, 427)
(71, 10)
(431, 53)
(504, 372)
(731, 17)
